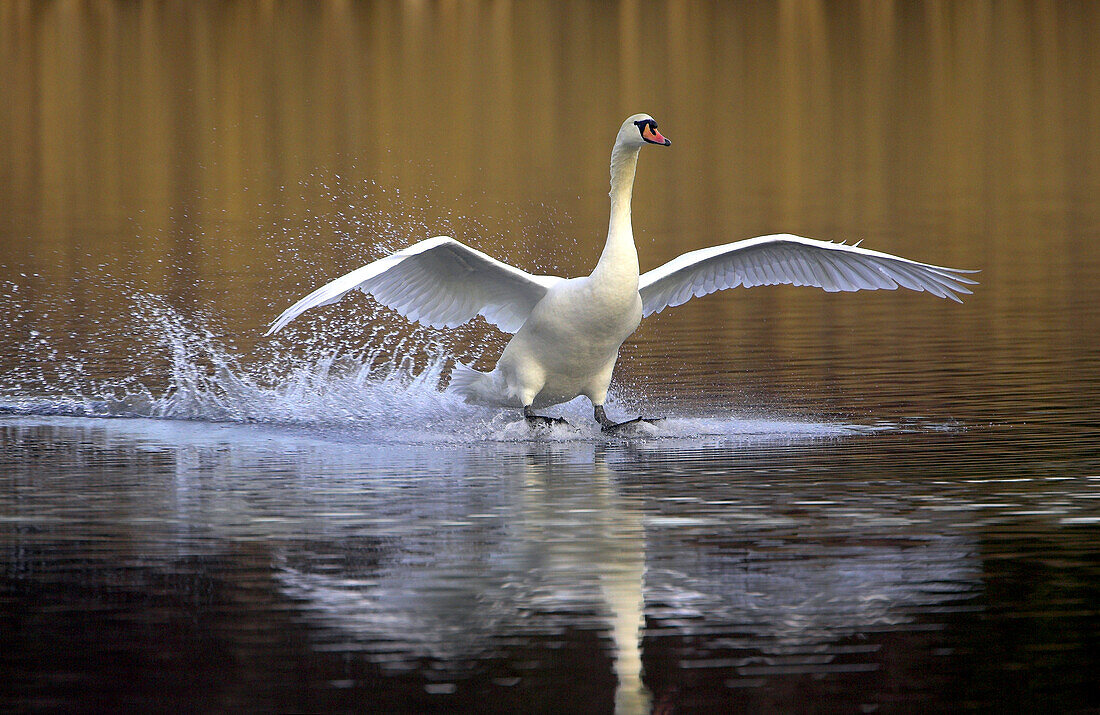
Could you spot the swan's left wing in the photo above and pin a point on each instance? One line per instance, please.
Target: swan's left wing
(438, 282)
(784, 258)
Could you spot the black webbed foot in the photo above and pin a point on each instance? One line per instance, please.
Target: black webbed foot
(545, 421)
(541, 420)
(619, 427)
(608, 426)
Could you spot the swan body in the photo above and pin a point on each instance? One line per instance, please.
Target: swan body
(568, 331)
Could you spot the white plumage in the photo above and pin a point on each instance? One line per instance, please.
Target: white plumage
(794, 260)
(567, 332)
(438, 282)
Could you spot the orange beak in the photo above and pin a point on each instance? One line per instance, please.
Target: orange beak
(653, 136)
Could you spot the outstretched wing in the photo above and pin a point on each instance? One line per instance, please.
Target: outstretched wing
(438, 282)
(784, 258)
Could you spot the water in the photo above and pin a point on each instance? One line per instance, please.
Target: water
(857, 502)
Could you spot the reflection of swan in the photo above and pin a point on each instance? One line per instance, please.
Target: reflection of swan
(571, 557)
(568, 331)
(565, 545)
(462, 564)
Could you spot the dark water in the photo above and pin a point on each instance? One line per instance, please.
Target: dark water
(858, 502)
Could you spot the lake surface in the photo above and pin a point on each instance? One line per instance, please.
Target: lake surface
(877, 502)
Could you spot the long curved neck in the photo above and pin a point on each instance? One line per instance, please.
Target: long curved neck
(620, 256)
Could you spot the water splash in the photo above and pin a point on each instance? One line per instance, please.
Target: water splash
(391, 388)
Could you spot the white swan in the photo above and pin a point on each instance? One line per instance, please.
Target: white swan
(568, 331)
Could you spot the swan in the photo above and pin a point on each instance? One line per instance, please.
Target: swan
(567, 331)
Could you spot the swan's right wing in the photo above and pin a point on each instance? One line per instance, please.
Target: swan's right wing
(784, 258)
(438, 282)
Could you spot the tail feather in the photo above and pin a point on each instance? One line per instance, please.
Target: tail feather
(465, 382)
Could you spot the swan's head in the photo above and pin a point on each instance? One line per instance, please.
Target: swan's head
(638, 130)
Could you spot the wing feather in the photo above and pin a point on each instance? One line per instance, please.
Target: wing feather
(438, 282)
(868, 274)
(785, 258)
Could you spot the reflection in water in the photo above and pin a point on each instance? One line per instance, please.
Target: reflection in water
(457, 567)
(570, 544)
(565, 545)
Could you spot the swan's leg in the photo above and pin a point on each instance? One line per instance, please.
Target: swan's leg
(525, 382)
(597, 393)
(601, 417)
(533, 419)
